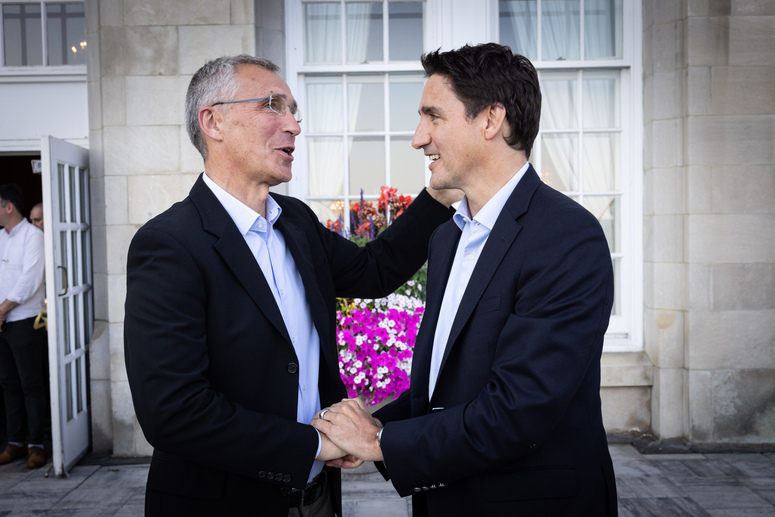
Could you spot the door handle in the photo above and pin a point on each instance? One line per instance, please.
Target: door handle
(64, 280)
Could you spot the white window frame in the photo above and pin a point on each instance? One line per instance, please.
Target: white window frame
(43, 69)
(452, 23)
(625, 330)
(296, 69)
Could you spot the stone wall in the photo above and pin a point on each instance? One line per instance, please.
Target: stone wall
(143, 53)
(709, 218)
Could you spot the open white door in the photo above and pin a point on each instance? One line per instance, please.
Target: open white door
(69, 295)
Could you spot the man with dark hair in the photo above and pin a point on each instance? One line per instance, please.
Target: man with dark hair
(503, 416)
(229, 330)
(22, 347)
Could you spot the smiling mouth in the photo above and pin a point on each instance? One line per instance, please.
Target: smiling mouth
(287, 150)
(434, 157)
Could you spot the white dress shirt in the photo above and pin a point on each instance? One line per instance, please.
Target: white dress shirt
(475, 230)
(22, 261)
(276, 262)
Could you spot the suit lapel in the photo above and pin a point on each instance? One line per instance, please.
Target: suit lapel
(501, 239)
(234, 251)
(439, 266)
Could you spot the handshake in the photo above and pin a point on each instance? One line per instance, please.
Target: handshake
(348, 433)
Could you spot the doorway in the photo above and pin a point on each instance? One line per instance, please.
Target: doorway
(18, 168)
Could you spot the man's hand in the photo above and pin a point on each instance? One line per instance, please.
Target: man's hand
(352, 428)
(329, 450)
(334, 456)
(446, 196)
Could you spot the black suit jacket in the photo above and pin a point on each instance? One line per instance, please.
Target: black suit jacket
(212, 371)
(521, 431)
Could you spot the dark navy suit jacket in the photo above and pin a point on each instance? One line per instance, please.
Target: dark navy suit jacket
(521, 431)
(213, 373)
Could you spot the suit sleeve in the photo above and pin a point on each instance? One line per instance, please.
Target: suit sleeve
(553, 333)
(168, 363)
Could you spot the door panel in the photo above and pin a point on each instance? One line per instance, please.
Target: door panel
(69, 284)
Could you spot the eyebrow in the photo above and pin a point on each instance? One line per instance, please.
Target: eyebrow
(428, 109)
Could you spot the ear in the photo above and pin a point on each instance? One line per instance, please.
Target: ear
(210, 121)
(495, 121)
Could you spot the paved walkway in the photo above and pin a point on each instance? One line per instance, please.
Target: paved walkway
(659, 485)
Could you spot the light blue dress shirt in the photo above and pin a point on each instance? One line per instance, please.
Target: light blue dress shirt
(276, 262)
(475, 230)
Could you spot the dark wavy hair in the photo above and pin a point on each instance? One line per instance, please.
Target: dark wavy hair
(12, 193)
(488, 74)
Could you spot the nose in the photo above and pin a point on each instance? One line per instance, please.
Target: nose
(292, 126)
(421, 137)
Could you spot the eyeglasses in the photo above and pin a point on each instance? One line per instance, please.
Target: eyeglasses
(277, 104)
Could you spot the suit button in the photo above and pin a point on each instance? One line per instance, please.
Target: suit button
(262, 474)
(270, 476)
(285, 491)
(425, 488)
(287, 478)
(293, 367)
(417, 489)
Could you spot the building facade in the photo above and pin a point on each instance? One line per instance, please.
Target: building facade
(683, 124)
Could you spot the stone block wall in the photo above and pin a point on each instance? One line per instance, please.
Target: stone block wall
(142, 56)
(709, 216)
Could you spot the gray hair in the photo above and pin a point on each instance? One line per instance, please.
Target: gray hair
(215, 82)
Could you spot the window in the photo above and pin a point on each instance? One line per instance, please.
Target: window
(360, 82)
(354, 67)
(43, 33)
(578, 48)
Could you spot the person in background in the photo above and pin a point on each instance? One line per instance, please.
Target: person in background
(36, 216)
(22, 347)
(229, 329)
(503, 416)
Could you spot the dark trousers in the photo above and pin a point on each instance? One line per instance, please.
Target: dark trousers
(23, 355)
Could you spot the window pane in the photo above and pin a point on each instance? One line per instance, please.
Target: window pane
(602, 101)
(364, 32)
(560, 29)
(69, 390)
(605, 209)
(602, 29)
(407, 166)
(65, 34)
(328, 210)
(560, 100)
(560, 161)
(616, 310)
(323, 113)
(519, 26)
(366, 103)
(405, 94)
(22, 35)
(66, 319)
(75, 281)
(367, 164)
(601, 161)
(326, 166)
(322, 34)
(406, 34)
(61, 181)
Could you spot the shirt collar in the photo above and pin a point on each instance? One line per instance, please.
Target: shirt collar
(18, 228)
(242, 215)
(492, 209)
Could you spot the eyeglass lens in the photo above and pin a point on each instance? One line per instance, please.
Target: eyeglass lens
(279, 105)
